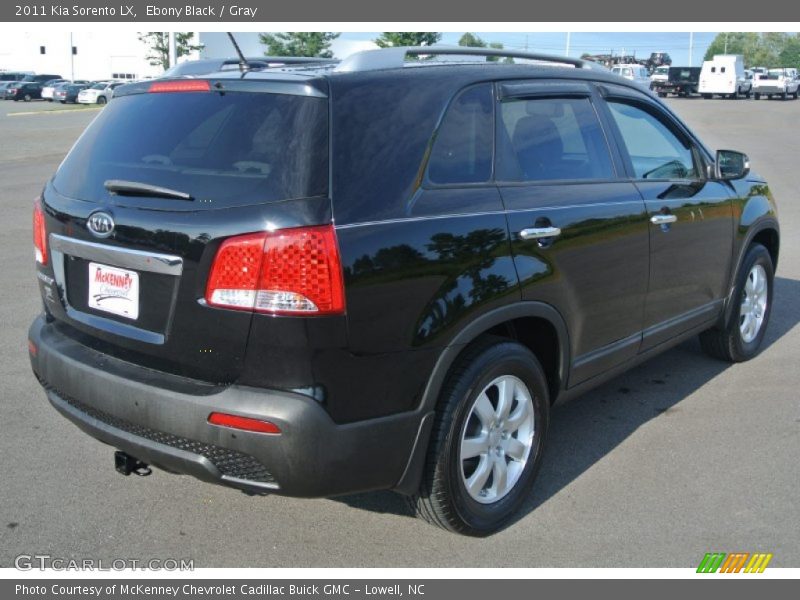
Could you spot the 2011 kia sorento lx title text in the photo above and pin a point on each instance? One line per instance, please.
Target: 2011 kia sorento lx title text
(325, 279)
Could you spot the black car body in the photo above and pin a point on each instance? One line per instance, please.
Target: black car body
(682, 81)
(24, 91)
(410, 218)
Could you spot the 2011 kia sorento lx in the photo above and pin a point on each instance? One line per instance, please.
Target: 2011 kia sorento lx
(327, 279)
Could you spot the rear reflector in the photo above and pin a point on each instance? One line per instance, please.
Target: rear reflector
(39, 233)
(32, 348)
(243, 423)
(181, 85)
(285, 272)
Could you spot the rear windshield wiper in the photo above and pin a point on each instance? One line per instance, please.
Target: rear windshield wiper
(134, 188)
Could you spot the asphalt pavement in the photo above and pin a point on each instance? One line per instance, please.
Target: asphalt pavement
(681, 456)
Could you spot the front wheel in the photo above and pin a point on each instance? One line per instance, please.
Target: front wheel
(707, 96)
(487, 440)
(757, 96)
(741, 338)
(101, 100)
(783, 95)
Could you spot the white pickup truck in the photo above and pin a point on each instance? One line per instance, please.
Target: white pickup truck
(781, 82)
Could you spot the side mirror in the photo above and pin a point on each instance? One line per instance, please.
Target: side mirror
(731, 164)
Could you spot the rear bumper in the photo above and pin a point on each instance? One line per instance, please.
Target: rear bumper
(162, 420)
(770, 89)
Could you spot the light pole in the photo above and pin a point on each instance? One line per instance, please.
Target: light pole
(691, 47)
(71, 58)
(566, 53)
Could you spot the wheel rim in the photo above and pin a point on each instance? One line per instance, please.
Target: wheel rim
(754, 303)
(497, 439)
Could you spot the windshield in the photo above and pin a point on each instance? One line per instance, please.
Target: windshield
(223, 150)
(775, 73)
(662, 70)
(98, 86)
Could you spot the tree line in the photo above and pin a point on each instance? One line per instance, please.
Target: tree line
(758, 49)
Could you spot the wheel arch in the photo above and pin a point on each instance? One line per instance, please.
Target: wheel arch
(536, 325)
(764, 231)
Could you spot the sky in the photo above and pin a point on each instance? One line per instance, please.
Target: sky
(642, 44)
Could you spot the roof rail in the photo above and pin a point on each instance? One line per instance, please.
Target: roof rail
(395, 58)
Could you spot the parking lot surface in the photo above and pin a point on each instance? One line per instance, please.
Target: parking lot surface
(681, 456)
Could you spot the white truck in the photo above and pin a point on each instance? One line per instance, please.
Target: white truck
(724, 76)
(781, 82)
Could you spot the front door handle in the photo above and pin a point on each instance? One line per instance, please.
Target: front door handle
(537, 233)
(663, 219)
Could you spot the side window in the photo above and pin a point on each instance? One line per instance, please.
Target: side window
(462, 151)
(551, 138)
(713, 69)
(655, 151)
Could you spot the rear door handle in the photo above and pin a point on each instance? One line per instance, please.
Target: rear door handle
(537, 233)
(663, 219)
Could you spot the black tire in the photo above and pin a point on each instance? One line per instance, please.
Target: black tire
(101, 100)
(443, 499)
(783, 95)
(727, 343)
(63, 101)
(747, 95)
(796, 93)
(757, 96)
(707, 96)
(662, 94)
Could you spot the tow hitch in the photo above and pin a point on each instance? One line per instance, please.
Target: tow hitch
(127, 464)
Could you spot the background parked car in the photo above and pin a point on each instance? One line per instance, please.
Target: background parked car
(68, 93)
(4, 85)
(660, 75)
(724, 75)
(633, 72)
(781, 82)
(99, 93)
(24, 91)
(49, 87)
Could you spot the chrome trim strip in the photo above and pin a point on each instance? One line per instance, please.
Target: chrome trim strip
(138, 260)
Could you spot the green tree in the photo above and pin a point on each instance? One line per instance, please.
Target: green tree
(389, 39)
(313, 43)
(790, 54)
(758, 49)
(157, 43)
(471, 40)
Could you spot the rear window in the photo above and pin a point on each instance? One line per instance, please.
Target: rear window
(224, 150)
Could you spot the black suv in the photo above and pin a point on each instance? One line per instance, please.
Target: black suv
(320, 280)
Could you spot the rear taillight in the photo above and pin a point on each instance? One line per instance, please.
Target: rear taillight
(285, 272)
(243, 423)
(39, 233)
(181, 85)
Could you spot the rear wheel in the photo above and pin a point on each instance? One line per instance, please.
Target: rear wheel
(757, 96)
(487, 441)
(707, 96)
(742, 335)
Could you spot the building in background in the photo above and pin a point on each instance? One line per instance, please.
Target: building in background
(116, 54)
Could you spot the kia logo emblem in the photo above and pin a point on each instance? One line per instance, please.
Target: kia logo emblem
(100, 224)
